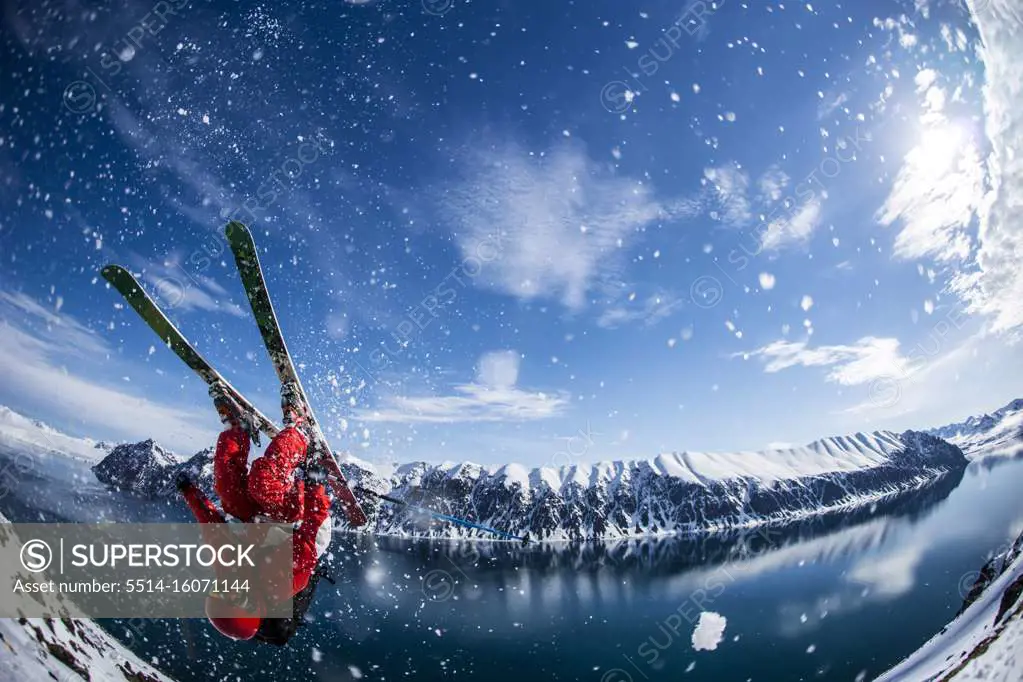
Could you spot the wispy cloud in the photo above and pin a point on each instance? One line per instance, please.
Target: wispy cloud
(772, 184)
(565, 221)
(733, 204)
(730, 189)
(793, 229)
(647, 311)
(75, 337)
(996, 289)
(971, 369)
(935, 195)
(43, 357)
(492, 397)
(868, 359)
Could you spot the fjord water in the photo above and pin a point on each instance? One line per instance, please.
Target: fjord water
(843, 597)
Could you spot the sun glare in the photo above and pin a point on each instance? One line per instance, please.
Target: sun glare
(939, 147)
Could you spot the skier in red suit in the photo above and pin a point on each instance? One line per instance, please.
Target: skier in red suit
(274, 490)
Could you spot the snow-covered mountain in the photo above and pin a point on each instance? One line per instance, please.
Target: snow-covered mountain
(669, 494)
(997, 433)
(35, 437)
(676, 493)
(147, 469)
(140, 467)
(820, 537)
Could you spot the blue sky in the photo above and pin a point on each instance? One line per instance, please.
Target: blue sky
(547, 234)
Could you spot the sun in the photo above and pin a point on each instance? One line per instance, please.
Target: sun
(939, 147)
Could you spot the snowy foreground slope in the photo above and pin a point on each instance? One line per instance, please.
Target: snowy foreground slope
(985, 642)
(65, 650)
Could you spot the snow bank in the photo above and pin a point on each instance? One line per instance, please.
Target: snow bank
(985, 642)
(64, 649)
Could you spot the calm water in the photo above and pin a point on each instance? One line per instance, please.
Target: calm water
(831, 599)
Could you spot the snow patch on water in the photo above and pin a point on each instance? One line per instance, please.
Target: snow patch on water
(709, 632)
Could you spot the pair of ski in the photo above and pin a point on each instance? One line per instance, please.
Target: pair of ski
(244, 248)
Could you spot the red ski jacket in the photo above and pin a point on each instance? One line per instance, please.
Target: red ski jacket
(231, 465)
(271, 483)
(304, 558)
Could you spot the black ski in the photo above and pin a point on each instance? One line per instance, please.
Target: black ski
(146, 307)
(244, 248)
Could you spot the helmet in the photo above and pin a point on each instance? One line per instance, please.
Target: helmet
(233, 620)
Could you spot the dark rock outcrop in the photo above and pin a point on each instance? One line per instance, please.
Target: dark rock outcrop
(146, 469)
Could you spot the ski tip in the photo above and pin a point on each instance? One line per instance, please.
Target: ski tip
(110, 272)
(234, 228)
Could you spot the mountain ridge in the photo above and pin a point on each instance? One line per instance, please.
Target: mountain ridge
(665, 495)
(998, 433)
(668, 493)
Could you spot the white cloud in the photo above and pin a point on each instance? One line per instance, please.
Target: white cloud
(952, 372)
(772, 184)
(996, 289)
(75, 337)
(731, 189)
(868, 359)
(498, 369)
(44, 368)
(648, 311)
(731, 204)
(492, 397)
(794, 228)
(935, 195)
(709, 632)
(562, 221)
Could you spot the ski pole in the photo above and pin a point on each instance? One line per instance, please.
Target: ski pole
(443, 517)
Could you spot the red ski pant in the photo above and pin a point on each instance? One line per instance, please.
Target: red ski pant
(269, 487)
(316, 506)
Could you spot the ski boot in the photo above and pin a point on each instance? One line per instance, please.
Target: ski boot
(231, 413)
